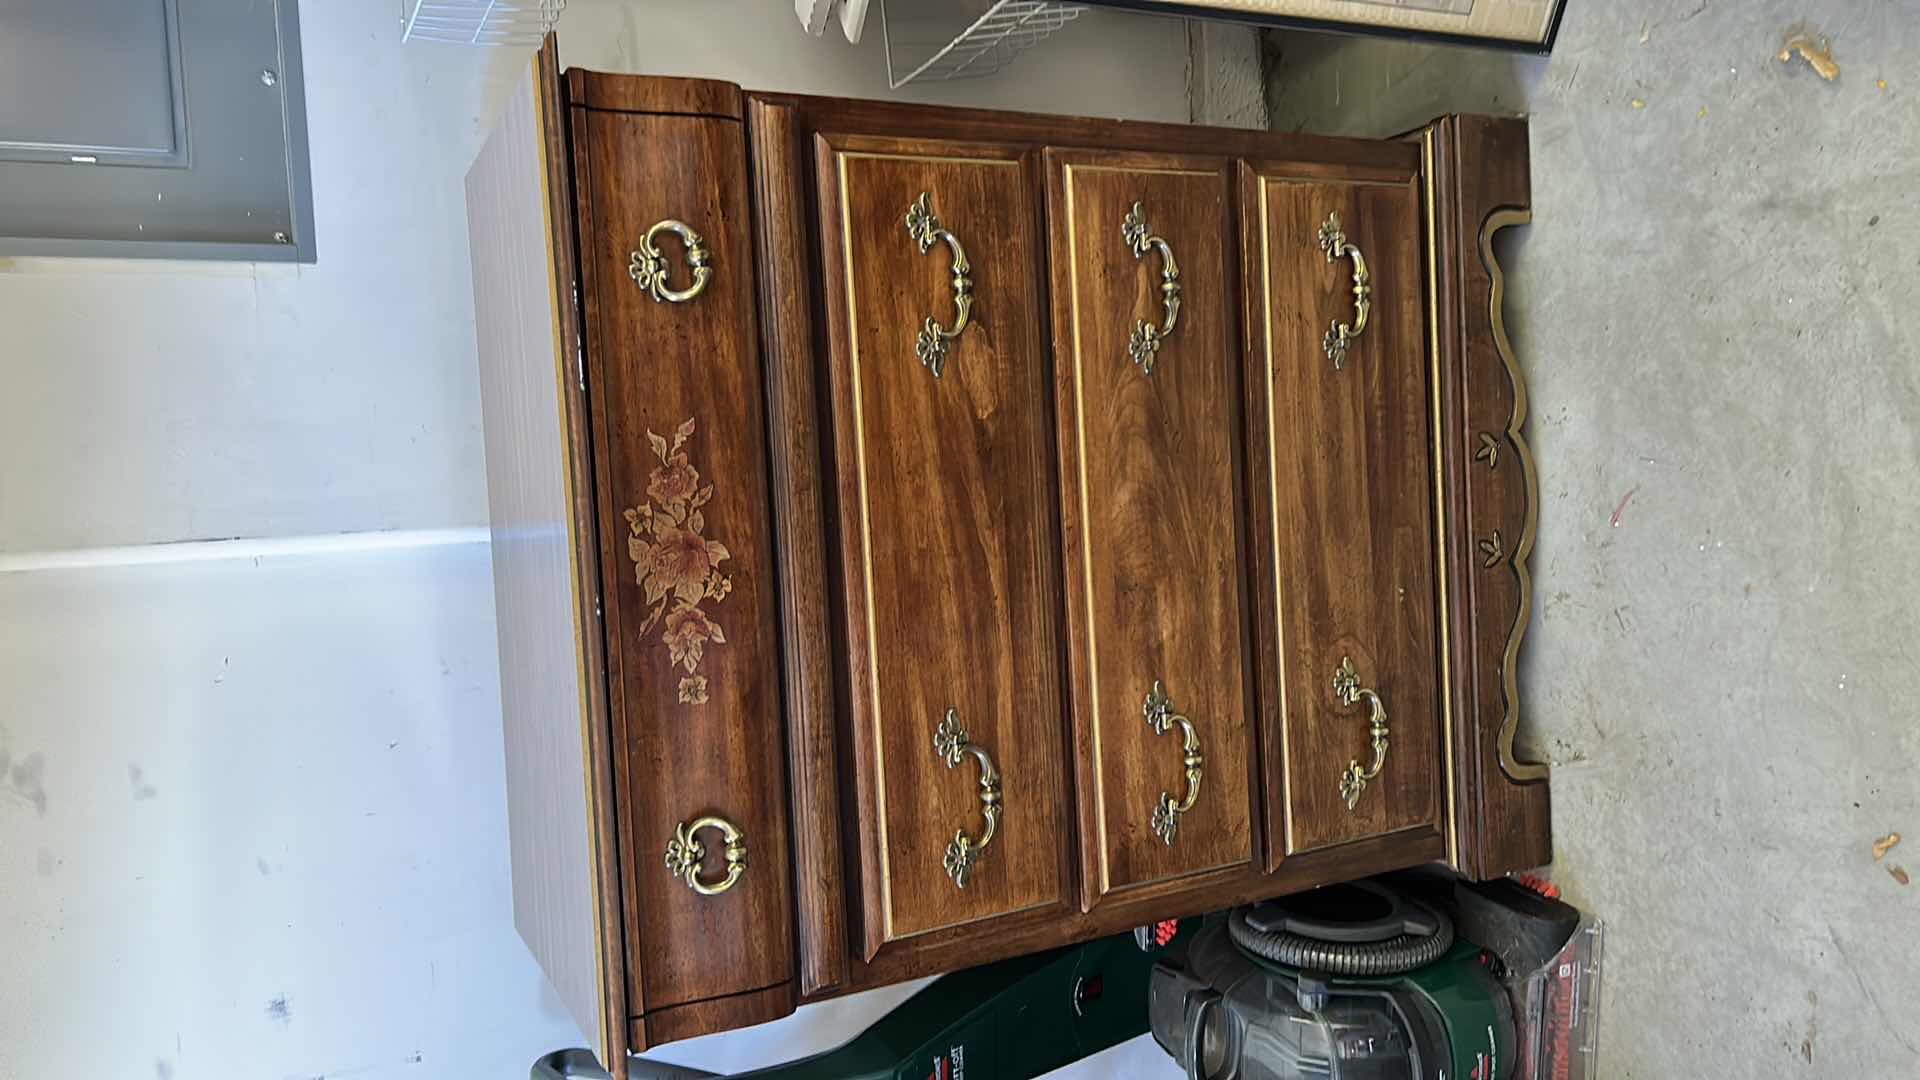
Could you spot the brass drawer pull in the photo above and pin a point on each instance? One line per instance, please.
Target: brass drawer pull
(1346, 687)
(1144, 343)
(950, 744)
(649, 267)
(931, 344)
(1160, 717)
(1333, 244)
(685, 852)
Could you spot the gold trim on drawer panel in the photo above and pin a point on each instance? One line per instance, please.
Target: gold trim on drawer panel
(840, 159)
(1440, 497)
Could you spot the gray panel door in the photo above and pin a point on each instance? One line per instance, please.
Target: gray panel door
(169, 128)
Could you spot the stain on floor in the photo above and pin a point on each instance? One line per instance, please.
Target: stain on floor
(25, 781)
(137, 783)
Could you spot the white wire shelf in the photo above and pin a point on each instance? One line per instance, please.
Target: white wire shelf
(479, 22)
(922, 43)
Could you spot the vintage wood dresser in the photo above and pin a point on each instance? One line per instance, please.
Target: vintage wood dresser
(923, 536)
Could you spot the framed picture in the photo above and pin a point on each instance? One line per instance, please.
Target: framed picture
(1528, 25)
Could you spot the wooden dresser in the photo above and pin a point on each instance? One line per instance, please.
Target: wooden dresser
(923, 536)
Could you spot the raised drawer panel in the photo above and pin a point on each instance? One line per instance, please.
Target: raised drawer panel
(946, 536)
(1346, 524)
(686, 558)
(1152, 516)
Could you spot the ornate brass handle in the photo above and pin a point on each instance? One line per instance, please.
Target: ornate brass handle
(649, 267)
(951, 744)
(1145, 340)
(1346, 687)
(1160, 717)
(931, 344)
(1333, 244)
(685, 852)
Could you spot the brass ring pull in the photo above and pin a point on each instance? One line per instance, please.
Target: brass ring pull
(951, 744)
(649, 268)
(1161, 717)
(931, 344)
(1347, 688)
(1145, 340)
(685, 852)
(1333, 244)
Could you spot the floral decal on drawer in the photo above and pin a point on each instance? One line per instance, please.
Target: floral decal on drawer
(675, 565)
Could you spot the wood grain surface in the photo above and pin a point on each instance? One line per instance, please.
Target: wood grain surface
(1346, 530)
(960, 947)
(1313, 155)
(947, 539)
(686, 555)
(566, 895)
(654, 94)
(790, 322)
(1489, 497)
(1152, 514)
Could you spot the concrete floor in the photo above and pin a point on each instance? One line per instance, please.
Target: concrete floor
(1718, 308)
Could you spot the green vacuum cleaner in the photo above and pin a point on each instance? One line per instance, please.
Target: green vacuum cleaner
(1353, 982)
(1364, 981)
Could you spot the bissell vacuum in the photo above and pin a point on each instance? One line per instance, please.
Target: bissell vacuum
(1410, 977)
(1354, 981)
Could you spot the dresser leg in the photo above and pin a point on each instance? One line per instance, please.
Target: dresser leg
(1487, 493)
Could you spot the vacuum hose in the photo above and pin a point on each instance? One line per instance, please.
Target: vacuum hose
(1403, 952)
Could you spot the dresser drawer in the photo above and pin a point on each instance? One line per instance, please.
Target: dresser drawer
(1345, 474)
(948, 566)
(688, 582)
(1147, 380)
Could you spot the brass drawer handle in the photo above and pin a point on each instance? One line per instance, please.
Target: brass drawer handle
(931, 344)
(1161, 717)
(1333, 244)
(1144, 343)
(951, 744)
(685, 852)
(1346, 687)
(649, 267)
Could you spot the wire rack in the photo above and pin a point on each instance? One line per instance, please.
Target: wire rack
(922, 44)
(478, 22)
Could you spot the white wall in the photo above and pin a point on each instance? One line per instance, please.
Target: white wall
(154, 402)
(1105, 63)
(317, 814)
(253, 823)
(148, 404)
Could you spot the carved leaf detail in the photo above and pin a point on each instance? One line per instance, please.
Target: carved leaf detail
(1489, 451)
(1492, 550)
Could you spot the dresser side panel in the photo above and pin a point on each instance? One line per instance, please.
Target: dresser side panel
(553, 717)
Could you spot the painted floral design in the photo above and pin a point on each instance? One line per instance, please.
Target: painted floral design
(675, 565)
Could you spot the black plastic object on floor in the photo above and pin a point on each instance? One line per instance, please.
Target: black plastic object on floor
(1522, 927)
